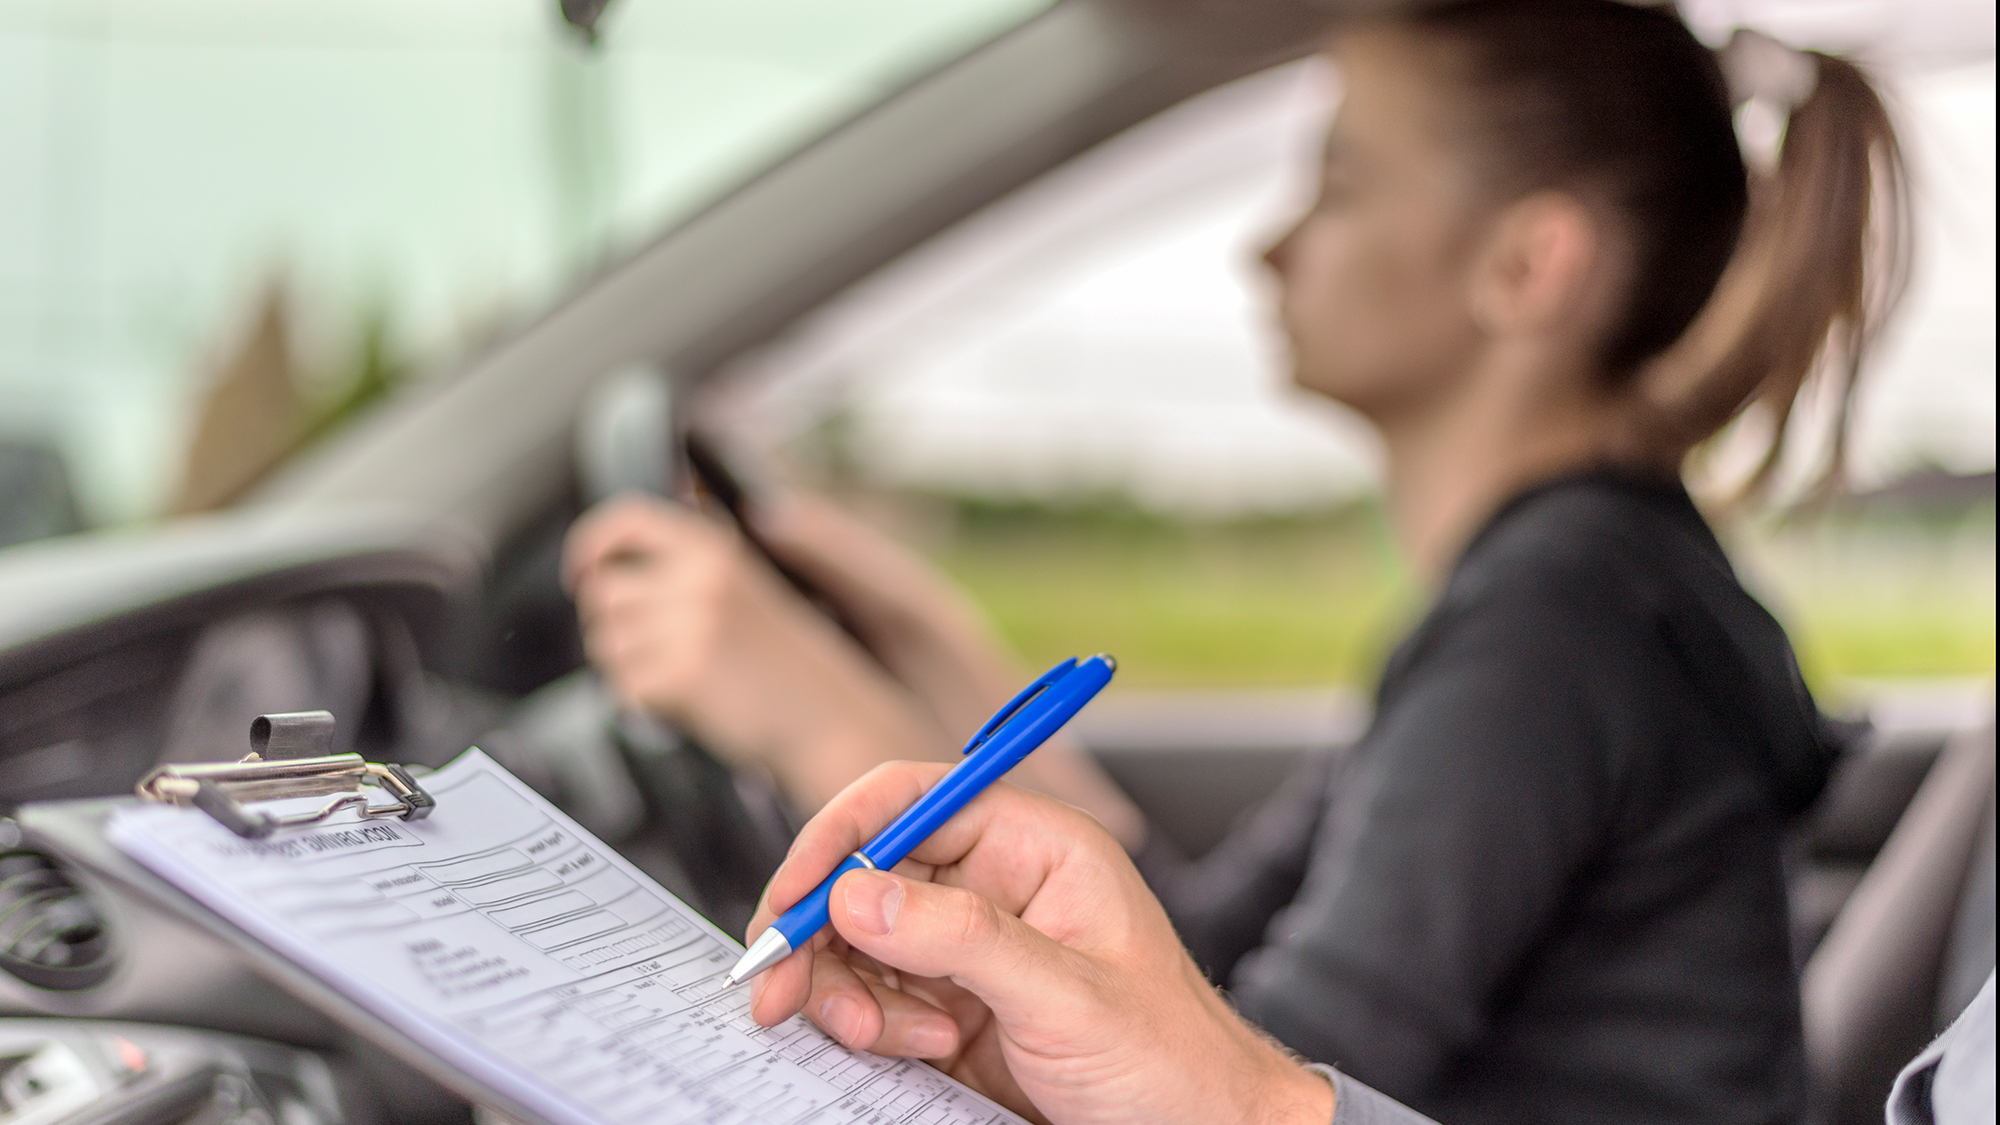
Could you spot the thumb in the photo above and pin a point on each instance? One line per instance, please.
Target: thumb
(932, 930)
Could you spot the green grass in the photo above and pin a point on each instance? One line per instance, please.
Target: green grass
(1882, 598)
(1260, 603)
(1320, 600)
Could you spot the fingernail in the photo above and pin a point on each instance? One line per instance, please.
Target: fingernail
(758, 984)
(873, 901)
(842, 1017)
(932, 1040)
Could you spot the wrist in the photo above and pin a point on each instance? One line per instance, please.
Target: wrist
(1278, 1089)
(870, 725)
(1263, 1083)
(1296, 1096)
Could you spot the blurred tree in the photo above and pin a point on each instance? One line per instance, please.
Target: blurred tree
(251, 417)
(375, 368)
(255, 417)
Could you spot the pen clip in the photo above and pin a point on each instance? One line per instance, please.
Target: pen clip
(1047, 680)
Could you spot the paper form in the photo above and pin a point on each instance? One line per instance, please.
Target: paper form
(523, 951)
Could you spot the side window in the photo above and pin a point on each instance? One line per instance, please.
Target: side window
(1078, 403)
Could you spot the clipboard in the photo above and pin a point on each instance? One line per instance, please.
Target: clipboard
(505, 953)
(74, 831)
(290, 756)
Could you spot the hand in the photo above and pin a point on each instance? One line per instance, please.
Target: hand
(1019, 950)
(685, 622)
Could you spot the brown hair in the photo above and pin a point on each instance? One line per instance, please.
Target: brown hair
(1745, 284)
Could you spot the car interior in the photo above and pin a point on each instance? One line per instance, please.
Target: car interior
(405, 577)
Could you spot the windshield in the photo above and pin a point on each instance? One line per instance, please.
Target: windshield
(224, 217)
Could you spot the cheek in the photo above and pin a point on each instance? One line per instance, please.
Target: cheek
(1371, 312)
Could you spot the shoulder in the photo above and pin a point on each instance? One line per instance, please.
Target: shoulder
(1550, 625)
(1592, 562)
(1594, 594)
(1593, 536)
(1951, 1081)
(1609, 601)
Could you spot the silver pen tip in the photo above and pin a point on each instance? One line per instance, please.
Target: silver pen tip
(769, 949)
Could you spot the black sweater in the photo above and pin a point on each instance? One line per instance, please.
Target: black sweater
(1545, 886)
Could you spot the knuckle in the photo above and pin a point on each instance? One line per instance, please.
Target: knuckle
(969, 919)
(709, 575)
(892, 773)
(699, 637)
(673, 674)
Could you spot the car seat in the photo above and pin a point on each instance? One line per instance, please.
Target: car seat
(1878, 986)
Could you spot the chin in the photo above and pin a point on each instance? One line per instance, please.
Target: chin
(1329, 385)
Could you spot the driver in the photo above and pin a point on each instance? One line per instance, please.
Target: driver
(1546, 885)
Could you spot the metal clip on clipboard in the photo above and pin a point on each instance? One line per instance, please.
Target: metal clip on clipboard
(289, 757)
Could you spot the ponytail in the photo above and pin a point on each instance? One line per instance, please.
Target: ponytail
(1748, 284)
(1822, 262)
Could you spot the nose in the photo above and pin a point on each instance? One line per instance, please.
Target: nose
(1279, 253)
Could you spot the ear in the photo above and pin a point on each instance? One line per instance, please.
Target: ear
(1538, 269)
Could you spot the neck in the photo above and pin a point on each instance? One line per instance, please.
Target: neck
(1453, 463)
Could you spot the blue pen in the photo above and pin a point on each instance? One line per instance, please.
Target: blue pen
(1009, 736)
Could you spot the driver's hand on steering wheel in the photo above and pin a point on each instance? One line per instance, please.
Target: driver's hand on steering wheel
(685, 621)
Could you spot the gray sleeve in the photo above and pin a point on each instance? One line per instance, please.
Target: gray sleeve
(1951, 1082)
(1355, 1104)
